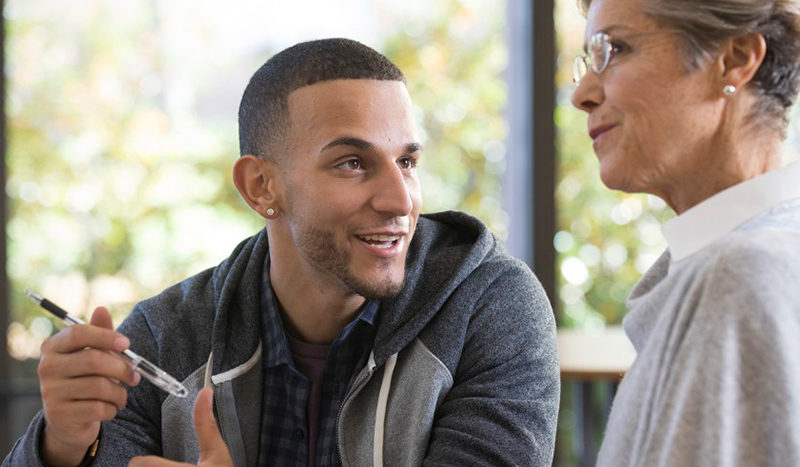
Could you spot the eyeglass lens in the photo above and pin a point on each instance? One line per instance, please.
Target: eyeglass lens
(599, 52)
(597, 59)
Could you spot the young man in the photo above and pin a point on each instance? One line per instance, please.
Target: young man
(350, 331)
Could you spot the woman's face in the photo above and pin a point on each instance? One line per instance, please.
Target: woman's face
(649, 117)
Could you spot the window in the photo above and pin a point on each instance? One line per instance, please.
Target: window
(122, 132)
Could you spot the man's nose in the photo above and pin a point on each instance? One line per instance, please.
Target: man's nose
(392, 192)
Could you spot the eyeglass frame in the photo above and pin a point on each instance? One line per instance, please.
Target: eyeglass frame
(600, 42)
(604, 41)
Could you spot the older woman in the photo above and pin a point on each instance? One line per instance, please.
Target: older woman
(688, 100)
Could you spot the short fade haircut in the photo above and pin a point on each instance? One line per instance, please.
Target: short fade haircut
(264, 110)
(705, 24)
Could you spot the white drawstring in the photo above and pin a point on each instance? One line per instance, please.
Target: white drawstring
(207, 374)
(380, 411)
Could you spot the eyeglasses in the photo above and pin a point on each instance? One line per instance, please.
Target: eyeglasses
(600, 51)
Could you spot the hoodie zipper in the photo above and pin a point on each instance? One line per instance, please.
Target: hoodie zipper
(353, 390)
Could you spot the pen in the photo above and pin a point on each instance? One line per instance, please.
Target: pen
(154, 374)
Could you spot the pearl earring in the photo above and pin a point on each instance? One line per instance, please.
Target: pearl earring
(270, 212)
(729, 90)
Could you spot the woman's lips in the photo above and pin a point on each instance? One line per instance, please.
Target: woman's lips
(596, 132)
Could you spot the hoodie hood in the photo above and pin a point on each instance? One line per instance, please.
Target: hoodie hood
(446, 248)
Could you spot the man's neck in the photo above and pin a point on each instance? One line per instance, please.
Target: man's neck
(314, 314)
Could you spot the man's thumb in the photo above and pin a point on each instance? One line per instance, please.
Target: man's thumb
(212, 448)
(101, 317)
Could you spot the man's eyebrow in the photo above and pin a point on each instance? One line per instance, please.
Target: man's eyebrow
(411, 148)
(349, 141)
(366, 145)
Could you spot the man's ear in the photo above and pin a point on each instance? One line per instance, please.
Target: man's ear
(741, 58)
(259, 182)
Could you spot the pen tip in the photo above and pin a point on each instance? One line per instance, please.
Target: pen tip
(35, 297)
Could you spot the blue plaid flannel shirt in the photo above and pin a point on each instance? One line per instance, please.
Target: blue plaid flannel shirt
(284, 423)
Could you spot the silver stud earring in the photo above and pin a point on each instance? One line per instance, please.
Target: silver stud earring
(729, 90)
(270, 212)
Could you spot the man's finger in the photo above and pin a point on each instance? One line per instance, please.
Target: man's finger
(85, 362)
(80, 336)
(102, 318)
(212, 448)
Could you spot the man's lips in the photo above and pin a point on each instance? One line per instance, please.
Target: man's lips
(383, 240)
(383, 245)
(595, 132)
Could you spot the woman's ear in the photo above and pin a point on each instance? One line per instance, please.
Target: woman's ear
(258, 182)
(741, 58)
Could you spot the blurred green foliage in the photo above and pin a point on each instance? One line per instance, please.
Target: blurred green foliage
(117, 190)
(605, 239)
(453, 65)
(111, 199)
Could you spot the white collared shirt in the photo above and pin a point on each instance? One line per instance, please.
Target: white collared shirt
(718, 215)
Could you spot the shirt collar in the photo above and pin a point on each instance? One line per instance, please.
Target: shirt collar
(276, 346)
(708, 221)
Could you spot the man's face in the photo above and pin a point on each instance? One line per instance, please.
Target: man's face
(352, 197)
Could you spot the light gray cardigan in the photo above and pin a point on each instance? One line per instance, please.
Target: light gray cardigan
(717, 376)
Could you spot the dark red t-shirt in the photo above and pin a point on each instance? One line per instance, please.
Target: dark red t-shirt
(309, 359)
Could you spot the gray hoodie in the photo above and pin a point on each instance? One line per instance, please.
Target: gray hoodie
(463, 370)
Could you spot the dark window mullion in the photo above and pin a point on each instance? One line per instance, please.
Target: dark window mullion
(530, 176)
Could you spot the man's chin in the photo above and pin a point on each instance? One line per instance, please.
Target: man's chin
(376, 290)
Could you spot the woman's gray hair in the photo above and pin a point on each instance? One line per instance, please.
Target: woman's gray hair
(705, 24)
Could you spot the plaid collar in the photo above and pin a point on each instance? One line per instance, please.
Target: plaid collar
(276, 347)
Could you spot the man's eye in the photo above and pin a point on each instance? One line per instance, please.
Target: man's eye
(351, 164)
(407, 163)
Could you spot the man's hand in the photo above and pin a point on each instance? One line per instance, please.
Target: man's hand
(80, 386)
(213, 451)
